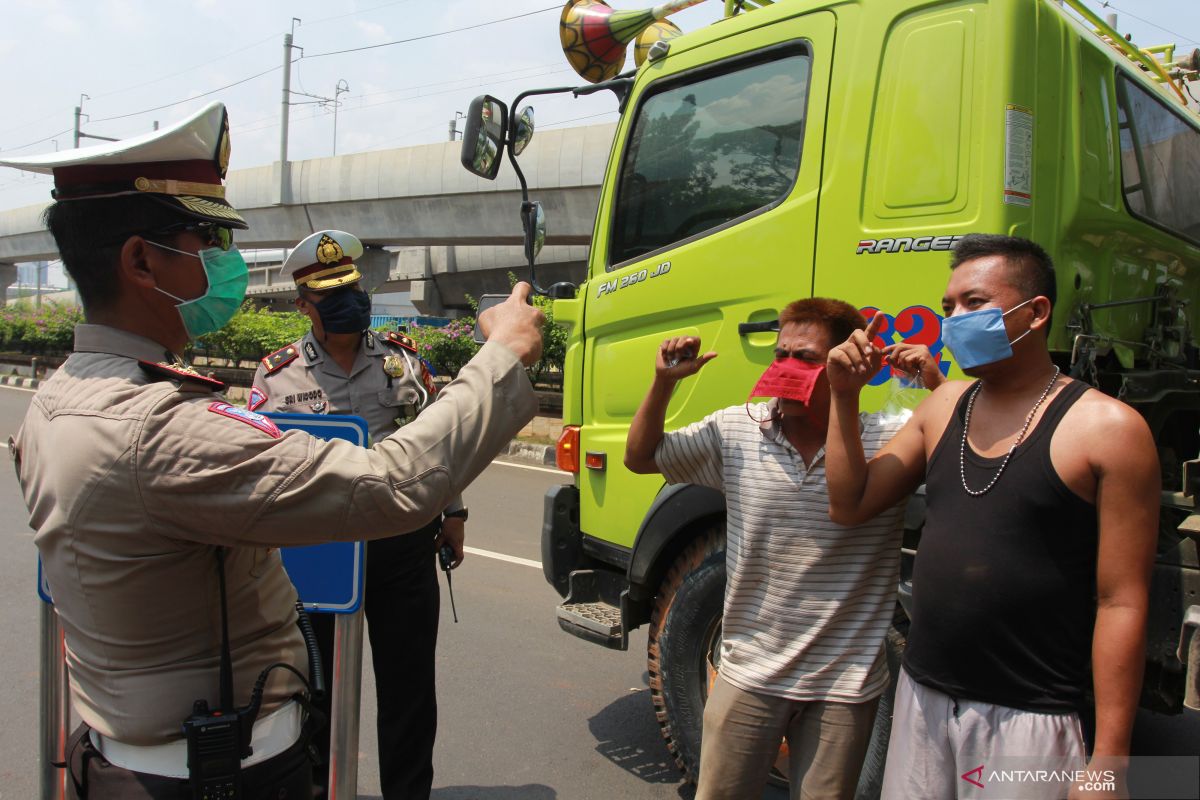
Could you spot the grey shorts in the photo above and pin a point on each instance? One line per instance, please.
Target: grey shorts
(942, 748)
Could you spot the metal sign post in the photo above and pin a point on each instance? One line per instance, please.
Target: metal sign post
(328, 579)
(53, 708)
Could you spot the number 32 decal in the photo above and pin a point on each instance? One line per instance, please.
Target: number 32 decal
(915, 325)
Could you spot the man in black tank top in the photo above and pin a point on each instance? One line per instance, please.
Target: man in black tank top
(1035, 560)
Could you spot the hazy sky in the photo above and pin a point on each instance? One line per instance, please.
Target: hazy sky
(134, 55)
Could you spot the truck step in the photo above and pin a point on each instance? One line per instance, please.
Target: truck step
(599, 617)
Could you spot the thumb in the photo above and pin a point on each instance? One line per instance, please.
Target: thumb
(520, 292)
(707, 357)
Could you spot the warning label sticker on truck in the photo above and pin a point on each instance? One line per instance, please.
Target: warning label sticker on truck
(1018, 155)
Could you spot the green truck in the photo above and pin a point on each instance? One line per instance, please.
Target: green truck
(839, 148)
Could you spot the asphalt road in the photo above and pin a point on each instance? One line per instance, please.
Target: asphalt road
(526, 711)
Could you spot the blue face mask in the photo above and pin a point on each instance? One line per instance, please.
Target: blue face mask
(347, 311)
(227, 280)
(977, 338)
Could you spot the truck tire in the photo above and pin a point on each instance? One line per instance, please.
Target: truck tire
(870, 780)
(684, 643)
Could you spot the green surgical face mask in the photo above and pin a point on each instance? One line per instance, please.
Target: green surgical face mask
(227, 280)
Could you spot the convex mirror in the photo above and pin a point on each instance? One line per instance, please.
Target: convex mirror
(524, 130)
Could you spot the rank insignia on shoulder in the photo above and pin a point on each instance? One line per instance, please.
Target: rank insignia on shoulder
(427, 379)
(180, 372)
(257, 398)
(279, 358)
(249, 417)
(404, 340)
(393, 366)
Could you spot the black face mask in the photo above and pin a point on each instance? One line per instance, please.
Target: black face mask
(345, 311)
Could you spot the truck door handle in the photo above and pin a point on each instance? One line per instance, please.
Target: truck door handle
(757, 327)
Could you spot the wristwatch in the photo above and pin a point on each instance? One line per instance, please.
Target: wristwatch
(459, 514)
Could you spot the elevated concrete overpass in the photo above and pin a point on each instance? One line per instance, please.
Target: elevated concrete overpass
(447, 232)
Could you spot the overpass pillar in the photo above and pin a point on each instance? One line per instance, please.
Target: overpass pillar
(8, 276)
(375, 264)
(426, 298)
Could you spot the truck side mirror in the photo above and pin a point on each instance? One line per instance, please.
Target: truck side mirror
(483, 136)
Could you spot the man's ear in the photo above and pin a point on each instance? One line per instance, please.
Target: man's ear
(1041, 312)
(133, 263)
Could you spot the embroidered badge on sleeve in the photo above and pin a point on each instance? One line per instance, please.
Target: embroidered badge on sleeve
(249, 417)
(257, 398)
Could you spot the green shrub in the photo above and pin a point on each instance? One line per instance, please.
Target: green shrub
(49, 329)
(254, 333)
(447, 348)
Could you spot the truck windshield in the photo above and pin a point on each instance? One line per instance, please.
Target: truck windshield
(707, 151)
(1160, 160)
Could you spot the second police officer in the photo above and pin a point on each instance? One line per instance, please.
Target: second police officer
(341, 366)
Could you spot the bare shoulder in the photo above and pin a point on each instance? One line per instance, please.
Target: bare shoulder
(1109, 429)
(935, 410)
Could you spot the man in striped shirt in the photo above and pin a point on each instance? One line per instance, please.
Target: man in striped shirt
(807, 602)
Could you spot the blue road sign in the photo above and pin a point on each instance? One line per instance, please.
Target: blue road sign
(328, 577)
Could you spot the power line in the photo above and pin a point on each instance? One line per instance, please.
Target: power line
(39, 141)
(1178, 36)
(433, 35)
(189, 69)
(187, 99)
(576, 119)
(352, 13)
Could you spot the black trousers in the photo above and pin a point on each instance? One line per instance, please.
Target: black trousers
(402, 604)
(287, 776)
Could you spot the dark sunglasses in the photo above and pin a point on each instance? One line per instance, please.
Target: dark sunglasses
(213, 235)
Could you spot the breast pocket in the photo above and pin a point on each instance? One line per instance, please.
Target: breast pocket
(402, 403)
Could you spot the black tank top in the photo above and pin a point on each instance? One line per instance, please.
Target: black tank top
(1004, 584)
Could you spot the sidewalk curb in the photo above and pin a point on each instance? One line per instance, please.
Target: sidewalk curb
(541, 454)
(18, 381)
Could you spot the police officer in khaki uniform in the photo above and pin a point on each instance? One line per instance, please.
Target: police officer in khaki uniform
(141, 481)
(341, 366)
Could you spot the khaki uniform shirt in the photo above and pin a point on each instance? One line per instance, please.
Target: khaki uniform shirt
(132, 478)
(384, 387)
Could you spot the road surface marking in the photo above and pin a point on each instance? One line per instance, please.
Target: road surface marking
(530, 466)
(475, 551)
(18, 389)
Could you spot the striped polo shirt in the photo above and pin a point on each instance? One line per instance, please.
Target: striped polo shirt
(808, 602)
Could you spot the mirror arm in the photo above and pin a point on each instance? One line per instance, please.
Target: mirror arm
(619, 86)
(561, 289)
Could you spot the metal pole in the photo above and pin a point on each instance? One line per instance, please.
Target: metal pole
(283, 121)
(335, 105)
(453, 129)
(346, 693)
(38, 302)
(77, 113)
(54, 718)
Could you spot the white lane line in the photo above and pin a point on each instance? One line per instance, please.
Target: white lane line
(525, 562)
(530, 466)
(18, 389)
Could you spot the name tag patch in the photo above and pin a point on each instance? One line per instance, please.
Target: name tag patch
(249, 417)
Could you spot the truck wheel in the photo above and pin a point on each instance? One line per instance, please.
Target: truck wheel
(870, 780)
(684, 645)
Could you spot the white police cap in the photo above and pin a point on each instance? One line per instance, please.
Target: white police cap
(324, 260)
(181, 166)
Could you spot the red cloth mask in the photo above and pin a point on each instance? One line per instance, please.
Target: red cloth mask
(789, 379)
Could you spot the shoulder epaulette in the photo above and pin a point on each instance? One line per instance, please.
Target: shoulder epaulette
(404, 340)
(281, 357)
(179, 372)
